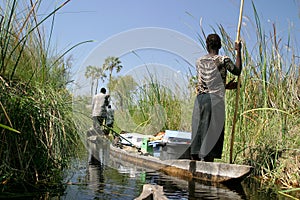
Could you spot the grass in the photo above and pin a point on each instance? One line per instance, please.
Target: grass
(269, 107)
(148, 108)
(39, 131)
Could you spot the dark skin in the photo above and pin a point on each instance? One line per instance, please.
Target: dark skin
(232, 84)
(238, 46)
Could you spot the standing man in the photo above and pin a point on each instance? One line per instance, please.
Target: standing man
(208, 118)
(99, 112)
(110, 117)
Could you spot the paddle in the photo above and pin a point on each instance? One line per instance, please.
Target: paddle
(238, 84)
(119, 135)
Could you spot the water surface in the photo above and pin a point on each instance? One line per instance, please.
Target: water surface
(102, 177)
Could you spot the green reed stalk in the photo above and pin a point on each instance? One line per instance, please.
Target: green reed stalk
(150, 108)
(37, 104)
(267, 118)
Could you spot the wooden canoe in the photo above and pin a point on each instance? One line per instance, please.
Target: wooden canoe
(184, 168)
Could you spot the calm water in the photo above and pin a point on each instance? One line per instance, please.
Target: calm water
(114, 179)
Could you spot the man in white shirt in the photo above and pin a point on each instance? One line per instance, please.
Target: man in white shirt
(99, 112)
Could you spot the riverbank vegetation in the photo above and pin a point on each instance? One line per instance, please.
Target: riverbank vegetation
(39, 131)
(268, 125)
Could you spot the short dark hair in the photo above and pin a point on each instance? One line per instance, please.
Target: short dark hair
(213, 41)
(103, 90)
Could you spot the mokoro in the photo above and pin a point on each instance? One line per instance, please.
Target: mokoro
(183, 168)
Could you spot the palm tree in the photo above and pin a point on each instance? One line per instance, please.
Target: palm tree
(95, 73)
(110, 64)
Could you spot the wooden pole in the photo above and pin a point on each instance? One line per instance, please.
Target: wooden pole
(240, 22)
(238, 85)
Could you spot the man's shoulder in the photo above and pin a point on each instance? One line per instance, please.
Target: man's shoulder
(203, 57)
(215, 57)
(100, 95)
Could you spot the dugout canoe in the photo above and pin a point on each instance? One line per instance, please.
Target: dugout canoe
(182, 168)
(185, 168)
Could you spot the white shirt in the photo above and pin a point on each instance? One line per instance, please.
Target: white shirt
(99, 105)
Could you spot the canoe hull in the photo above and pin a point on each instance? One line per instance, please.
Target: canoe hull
(184, 168)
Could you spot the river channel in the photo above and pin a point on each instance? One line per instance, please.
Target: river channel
(96, 175)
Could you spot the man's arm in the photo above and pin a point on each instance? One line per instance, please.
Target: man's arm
(106, 100)
(237, 69)
(238, 62)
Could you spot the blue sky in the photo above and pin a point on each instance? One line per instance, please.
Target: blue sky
(83, 20)
(99, 20)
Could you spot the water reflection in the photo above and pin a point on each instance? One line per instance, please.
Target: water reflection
(96, 175)
(175, 188)
(95, 178)
(104, 177)
(98, 151)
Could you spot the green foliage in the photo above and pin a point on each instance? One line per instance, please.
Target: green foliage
(269, 105)
(35, 103)
(97, 73)
(112, 63)
(149, 108)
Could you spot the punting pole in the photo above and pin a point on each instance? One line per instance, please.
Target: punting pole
(238, 84)
(119, 135)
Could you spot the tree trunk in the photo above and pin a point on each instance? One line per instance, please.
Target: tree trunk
(97, 82)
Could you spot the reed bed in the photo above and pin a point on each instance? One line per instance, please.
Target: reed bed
(149, 108)
(269, 107)
(39, 131)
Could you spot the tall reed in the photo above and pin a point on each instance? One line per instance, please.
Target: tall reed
(269, 106)
(149, 108)
(39, 130)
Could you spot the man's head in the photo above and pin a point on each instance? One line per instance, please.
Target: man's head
(103, 90)
(213, 42)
